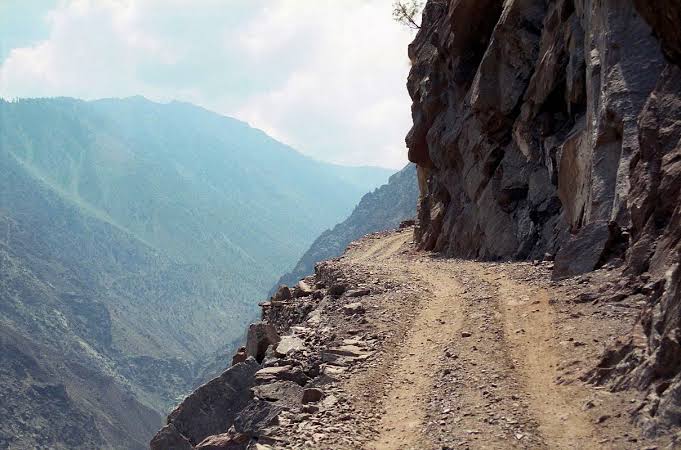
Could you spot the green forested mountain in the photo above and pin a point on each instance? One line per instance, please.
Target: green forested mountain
(135, 239)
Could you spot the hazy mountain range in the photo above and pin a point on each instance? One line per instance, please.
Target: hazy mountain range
(135, 241)
(379, 210)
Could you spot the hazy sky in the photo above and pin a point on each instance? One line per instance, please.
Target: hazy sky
(325, 76)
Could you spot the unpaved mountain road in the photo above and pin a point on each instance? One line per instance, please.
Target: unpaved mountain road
(475, 315)
(469, 355)
(478, 360)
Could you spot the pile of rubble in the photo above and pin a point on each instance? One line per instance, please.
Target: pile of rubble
(286, 376)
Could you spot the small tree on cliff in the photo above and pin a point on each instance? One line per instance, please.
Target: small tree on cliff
(405, 12)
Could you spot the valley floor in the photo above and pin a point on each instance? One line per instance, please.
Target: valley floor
(449, 353)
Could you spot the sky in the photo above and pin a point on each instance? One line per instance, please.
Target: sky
(324, 76)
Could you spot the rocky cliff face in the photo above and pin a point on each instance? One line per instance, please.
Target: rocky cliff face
(553, 127)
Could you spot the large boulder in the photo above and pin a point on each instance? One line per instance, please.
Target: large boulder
(280, 373)
(168, 438)
(302, 289)
(225, 441)
(210, 410)
(286, 394)
(586, 250)
(289, 344)
(260, 336)
(257, 417)
(240, 356)
(282, 293)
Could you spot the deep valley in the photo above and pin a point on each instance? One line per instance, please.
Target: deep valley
(135, 239)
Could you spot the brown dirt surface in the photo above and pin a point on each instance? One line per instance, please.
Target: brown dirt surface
(464, 354)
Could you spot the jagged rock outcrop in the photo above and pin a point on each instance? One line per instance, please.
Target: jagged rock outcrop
(209, 410)
(650, 358)
(382, 209)
(552, 127)
(527, 121)
(295, 355)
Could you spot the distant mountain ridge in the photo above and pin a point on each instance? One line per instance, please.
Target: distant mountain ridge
(380, 210)
(135, 239)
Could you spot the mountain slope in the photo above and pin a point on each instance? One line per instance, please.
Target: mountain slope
(197, 171)
(134, 237)
(78, 306)
(380, 210)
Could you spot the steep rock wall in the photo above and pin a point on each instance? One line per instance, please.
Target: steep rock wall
(553, 127)
(526, 116)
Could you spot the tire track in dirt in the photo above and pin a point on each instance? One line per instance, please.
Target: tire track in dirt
(513, 326)
(382, 249)
(529, 331)
(436, 323)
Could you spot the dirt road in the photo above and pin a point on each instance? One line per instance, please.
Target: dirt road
(466, 354)
(501, 330)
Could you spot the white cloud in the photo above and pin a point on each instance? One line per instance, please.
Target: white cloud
(93, 51)
(325, 76)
